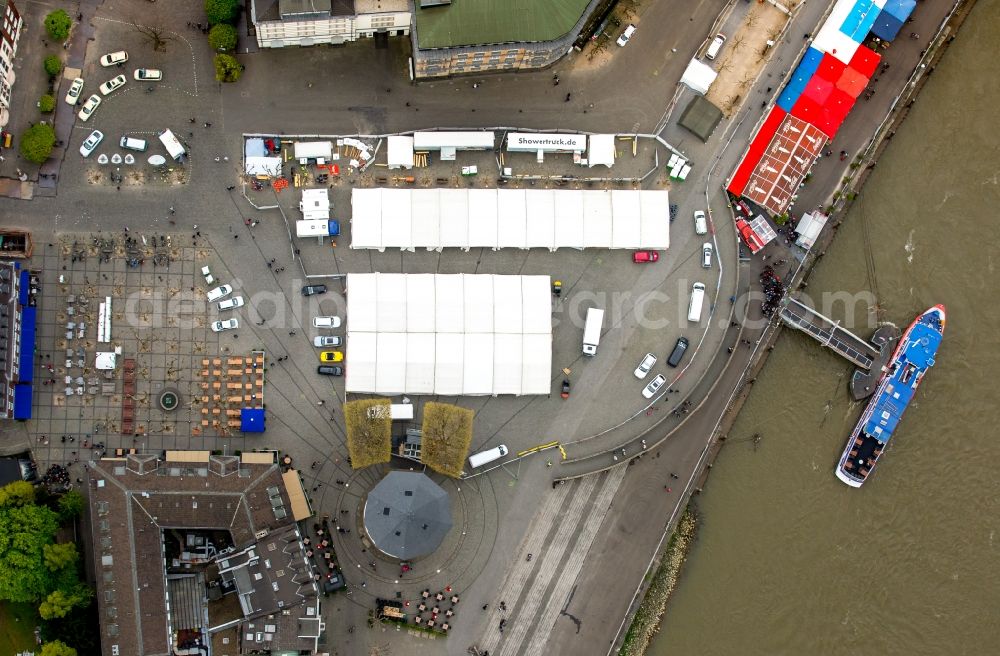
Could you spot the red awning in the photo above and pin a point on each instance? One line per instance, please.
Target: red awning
(830, 68)
(852, 81)
(865, 61)
(818, 89)
(756, 150)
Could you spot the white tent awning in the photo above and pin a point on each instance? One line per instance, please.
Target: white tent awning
(699, 76)
(399, 151)
(601, 150)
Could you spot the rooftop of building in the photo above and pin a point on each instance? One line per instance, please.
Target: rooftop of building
(477, 22)
(134, 500)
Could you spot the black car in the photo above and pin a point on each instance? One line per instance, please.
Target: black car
(310, 290)
(678, 353)
(329, 370)
(333, 582)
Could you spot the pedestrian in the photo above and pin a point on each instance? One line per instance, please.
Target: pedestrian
(674, 476)
(769, 89)
(485, 606)
(208, 125)
(193, 120)
(236, 236)
(235, 336)
(172, 210)
(320, 402)
(503, 606)
(291, 333)
(230, 187)
(568, 96)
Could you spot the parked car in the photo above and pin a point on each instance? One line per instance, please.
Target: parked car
(228, 324)
(626, 35)
(678, 353)
(326, 340)
(331, 356)
(209, 278)
(90, 143)
(312, 290)
(700, 223)
(706, 256)
(219, 293)
(640, 257)
(88, 107)
(114, 58)
(326, 322)
(132, 143)
(653, 386)
(75, 89)
(231, 303)
(148, 74)
(114, 83)
(715, 46)
(329, 370)
(647, 363)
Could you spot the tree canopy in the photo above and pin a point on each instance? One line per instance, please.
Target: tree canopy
(60, 556)
(227, 68)
(222, 38)
(52, 65)
(71, 505)
(25, 531)
(37, 143)
(57, 648)
(61, 602)
(17, 493)
(57, 24)
(221, 11)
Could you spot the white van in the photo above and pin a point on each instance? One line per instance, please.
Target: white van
(483, 457)
(592, 330)
(173, 145)
(131, 143)
(697, 300)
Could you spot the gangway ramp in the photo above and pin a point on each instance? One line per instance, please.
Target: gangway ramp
(828, 333)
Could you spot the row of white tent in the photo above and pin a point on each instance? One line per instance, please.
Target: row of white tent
(450, 334)
(509, 218)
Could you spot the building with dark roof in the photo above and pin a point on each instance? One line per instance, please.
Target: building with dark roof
(407, 515)
(18, 298)
(189, 545)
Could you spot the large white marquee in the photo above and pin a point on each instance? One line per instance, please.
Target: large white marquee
(509, 218)
(452, 335)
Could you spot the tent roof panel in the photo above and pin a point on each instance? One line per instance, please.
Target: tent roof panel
(540, 230)
(449, 303)
(508, 306)
(390, 369)
(597, 218)
(362, 352)
(626, 230)
(478, 291)
(420, 303)
(482, 218)
(478, 369)
(361, 301)
(512, 231)
(449, 369)
(507, 368)
(421, 354)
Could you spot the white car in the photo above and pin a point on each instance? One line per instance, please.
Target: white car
(626, 35)
(706, 255)
(90, 143)
(75, 89)
(700, 223)
(326, 322)
(228, 324)
(219, 293)
(326, 340)
(208, 275)
(114, 58)
(148, 74)
(231, 303)
(647, 363)
(89, 107)
(653, 386)
(114, 83)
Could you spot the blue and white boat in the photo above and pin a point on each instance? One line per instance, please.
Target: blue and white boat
(913, 357)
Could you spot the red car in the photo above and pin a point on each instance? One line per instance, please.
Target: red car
(645, 256)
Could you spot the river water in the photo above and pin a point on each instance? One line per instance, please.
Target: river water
(791, 561)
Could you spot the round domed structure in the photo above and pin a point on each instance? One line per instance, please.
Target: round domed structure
(407, 515)
(169, 399)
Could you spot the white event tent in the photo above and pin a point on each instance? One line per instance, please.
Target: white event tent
(458, 334)
(509, 218)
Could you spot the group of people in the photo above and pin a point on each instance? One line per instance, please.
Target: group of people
(773, 291)
(57, 476)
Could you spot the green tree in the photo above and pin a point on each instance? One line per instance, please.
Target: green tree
(227, 68)
(57, 648)
(37, 143)
(57, 604)
(17, 493)
(24, 533)
(71, 505)
(60, 556)
(46, 104)
(221, 11)
(52, 65)
(57, 24)
(222, 38)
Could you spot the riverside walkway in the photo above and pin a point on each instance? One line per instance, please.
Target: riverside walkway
(827, 332)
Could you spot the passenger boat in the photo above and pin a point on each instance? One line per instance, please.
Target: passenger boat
(914, 355)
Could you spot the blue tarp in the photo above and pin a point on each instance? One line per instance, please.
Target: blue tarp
(22, 401)
(900, 9)
(887, 26)
(800, 78)
(858, 23)
(25, 286)
(26, 371)
(252, 420)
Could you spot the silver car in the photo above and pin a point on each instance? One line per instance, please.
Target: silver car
(219, 293)
(114, 83)
(228, 324)
(231, 303)
(326, 340)
(88, 107)
(653, 386)
(90, 143)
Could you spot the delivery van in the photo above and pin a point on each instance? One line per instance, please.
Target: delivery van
(592, 330)
(697, 300)
(489, 455)
(131, 143)
(173, 145)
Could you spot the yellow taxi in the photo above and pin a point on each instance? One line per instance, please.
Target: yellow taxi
(331, 356)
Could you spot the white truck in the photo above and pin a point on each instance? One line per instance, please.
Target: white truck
(172, 144)
(592, 330)
(489, 455)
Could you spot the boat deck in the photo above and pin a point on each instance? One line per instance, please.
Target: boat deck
(862, 456)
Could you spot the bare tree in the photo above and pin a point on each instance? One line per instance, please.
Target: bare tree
(738, 42)
(154, 30)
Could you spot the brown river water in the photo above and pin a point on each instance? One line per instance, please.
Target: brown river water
(788, 559)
